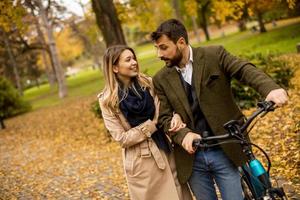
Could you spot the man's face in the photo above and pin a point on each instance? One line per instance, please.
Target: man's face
(168, 51)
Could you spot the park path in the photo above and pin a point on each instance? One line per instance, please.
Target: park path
(61, 152)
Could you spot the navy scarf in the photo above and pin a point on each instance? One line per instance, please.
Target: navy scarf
(138, 109)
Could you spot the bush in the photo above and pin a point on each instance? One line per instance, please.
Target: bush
(95, 108)
(11, 102)
(277, 69)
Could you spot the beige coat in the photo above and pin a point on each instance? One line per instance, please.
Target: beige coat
(150, 173)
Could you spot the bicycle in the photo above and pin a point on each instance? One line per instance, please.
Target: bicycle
(255, 179)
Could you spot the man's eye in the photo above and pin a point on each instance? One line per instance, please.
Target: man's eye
(163, 48)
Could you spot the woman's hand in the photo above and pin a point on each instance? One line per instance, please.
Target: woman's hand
(176, 123)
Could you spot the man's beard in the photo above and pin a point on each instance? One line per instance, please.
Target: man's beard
(175, 60)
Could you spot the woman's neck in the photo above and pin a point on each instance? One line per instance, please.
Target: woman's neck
(126, 82)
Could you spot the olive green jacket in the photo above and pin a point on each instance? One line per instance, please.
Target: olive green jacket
(213, 69)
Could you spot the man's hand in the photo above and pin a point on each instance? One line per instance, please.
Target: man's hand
(187, 142)
(278, 96)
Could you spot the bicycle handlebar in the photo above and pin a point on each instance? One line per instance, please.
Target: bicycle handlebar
(264, 106)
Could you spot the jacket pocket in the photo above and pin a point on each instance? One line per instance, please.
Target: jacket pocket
(212, 80)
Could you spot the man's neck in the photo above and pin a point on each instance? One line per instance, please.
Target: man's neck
(185, 57)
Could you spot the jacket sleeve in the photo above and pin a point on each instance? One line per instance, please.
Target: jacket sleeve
(246, 72)
(166, 114)
(129, 137)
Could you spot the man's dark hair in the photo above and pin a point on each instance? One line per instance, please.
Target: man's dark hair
(173, 29)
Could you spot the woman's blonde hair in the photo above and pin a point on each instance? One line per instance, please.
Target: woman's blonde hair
(112, 85)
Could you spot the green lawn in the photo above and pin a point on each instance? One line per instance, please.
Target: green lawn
(85, 83)
(278, 40)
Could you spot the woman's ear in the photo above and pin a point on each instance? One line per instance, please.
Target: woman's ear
(115, 69)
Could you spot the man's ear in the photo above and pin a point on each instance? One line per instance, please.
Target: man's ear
(115, 69)
(181, 42)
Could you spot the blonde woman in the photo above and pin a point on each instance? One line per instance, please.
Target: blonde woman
(130, 111)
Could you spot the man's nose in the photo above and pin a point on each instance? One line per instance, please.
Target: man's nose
(159, 54)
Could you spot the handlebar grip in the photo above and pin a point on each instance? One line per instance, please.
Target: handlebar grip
(266, 105)
(196, 142)
(205, 134)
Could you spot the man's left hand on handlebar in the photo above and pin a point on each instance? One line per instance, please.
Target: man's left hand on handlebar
(187, 142)
(278, 96)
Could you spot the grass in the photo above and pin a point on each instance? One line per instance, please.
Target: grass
(85, 83)
(278, 40)
(282, 39)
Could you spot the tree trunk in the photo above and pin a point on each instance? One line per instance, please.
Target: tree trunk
(195, 29)
(49, 71)
(176, 8)
(2, 125)
(242, 25)
(262, 27)
(108, 22)
(85, 40)
(62, 88)
(12, 62)
(204, 24)
(202, 10)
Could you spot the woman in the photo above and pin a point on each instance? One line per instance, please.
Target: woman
(130, 111)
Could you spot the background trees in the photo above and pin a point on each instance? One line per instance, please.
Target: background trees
(41, 40)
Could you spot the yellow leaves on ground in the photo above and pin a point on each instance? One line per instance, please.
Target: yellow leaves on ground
(278, 134)
(60, 152)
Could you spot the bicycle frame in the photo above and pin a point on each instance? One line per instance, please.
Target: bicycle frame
(253, 172)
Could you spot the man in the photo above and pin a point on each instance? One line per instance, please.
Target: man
(195, 83)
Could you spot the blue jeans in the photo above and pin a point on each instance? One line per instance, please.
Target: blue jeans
(213, 166)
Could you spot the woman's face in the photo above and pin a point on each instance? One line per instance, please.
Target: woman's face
(127, 66)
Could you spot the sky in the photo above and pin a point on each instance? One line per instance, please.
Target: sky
(73, 6)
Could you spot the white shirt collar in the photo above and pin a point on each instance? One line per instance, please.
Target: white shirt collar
(191, 54)
(187, 70)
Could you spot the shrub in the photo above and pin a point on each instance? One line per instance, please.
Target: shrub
(277, 69)
(11, 102)
(95, 108)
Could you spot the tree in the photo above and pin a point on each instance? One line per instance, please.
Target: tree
(10, 101)
(176, 6)
(85, 30)
(44, 13)
(225, 9)
(11, 19)
(191, 11)
(70, 47)
(108, 22)
(203, 10)
(50, 71)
